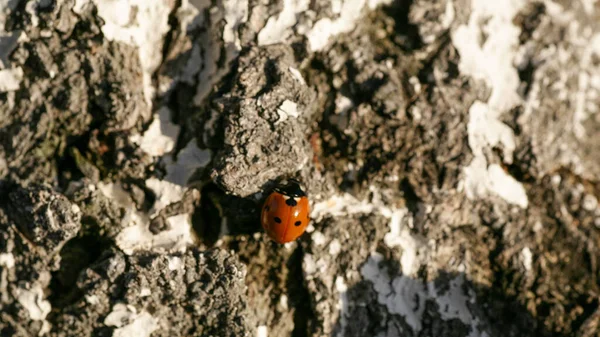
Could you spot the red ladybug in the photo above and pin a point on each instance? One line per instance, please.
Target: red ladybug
(285, 212)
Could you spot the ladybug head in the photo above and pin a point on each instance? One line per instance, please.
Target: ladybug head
(290, 187)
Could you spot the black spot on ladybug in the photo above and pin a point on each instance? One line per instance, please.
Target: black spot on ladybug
(267, 208)
(297, 223)
(291, 202)
(277, 219)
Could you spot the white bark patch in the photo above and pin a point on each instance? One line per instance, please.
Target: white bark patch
(279, 27)
(335, 247)
(310, 266)
(297, 75)
(343, 105)
(236, 13)
(145, 292)
(485, 130)
(590, 203)
(92, 299)
(7, 260)
(188, 161)
(10, 79)
(350, 12)
(287, 109)
(119, 316)
(33, 301)
(161, 135)
(116, 193)
(527, 258)
(506, 186)
(318, 238)
(129, 323)
(449, 14)
(454, 304)
(175, 263)
(588, 6)
(402, 295)
(80, 5)
(492, 62)
(406, 297)
(138, 236)
(413, 249)
(206, 52)
(166, 193)
(262, 331)
(139, 23)
(283, 301)
(482, 180)
(586, 99)
(346, 204)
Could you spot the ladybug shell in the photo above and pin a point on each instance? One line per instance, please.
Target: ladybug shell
(285, 213)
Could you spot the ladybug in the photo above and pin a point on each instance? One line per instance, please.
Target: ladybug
(284, 215)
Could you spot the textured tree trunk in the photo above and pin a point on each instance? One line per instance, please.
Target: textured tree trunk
(450, 150)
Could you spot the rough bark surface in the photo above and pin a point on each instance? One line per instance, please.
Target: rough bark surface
(450, 150)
